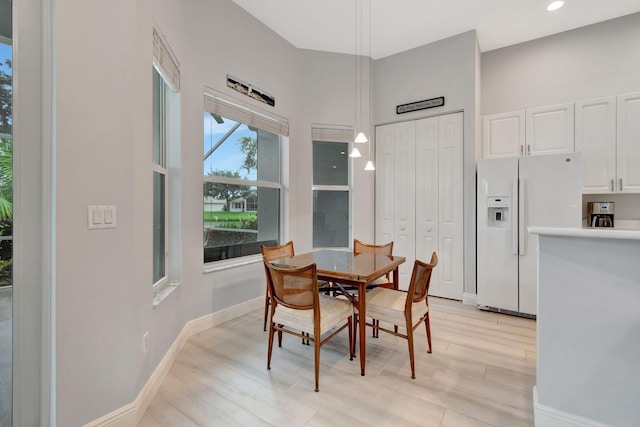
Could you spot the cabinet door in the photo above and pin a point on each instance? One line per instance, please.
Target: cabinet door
(427, 191)
(385, 183)
(549, 130)
(596, 139)
(404, 198)
(503, 135)
(628, 143)
(450, 201)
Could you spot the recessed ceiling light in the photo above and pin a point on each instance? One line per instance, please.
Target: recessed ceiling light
(555, 5)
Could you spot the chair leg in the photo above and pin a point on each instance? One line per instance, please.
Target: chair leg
(280, 338)
(266, 311)
(355, 333)
(427, 325)
(316, 350)
(410, 342)
(351, 345)
(271, 334)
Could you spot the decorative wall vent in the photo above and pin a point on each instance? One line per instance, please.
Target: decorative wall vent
(420, 105)
(249, 90)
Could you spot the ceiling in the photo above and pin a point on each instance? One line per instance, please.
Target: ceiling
(399, 25)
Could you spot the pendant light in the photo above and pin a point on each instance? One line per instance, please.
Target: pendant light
(361, 137)
(355, 153)
(369, 166)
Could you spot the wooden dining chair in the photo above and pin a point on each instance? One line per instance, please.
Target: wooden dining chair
(404, 308)
(297, 305)
(270, 254)
(360, 247)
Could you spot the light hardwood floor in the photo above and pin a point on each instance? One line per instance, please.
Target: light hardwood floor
(481, 373)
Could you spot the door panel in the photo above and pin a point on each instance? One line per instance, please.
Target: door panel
(503, 135)
(451, 202)
(497, 241)
(385, 183)
(545, 181)
(404, 198)
(427, 191)
(549, 130)
(596, 140)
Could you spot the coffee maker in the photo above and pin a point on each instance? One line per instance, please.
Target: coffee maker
(601, 214)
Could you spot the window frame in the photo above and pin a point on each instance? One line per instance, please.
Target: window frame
(161, 168)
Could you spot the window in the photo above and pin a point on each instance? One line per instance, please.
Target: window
(159, 177)
(331, 190)
(242, 188)
(166, 130)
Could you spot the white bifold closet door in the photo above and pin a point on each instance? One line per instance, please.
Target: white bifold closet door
(419, 197)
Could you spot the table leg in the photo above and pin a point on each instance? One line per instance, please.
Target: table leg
(396, 285)
(362, 323)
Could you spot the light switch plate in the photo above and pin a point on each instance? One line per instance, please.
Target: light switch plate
(101, 217)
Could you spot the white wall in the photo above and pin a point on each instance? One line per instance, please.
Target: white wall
(103, 106)
(589, 62)
(326, 90)
(446, 68)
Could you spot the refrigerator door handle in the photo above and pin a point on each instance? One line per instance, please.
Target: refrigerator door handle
(522, 223)
(514, 217)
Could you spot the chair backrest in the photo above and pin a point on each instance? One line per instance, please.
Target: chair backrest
(360, 247)
(278, 252)
(420, 281)
(296, 288)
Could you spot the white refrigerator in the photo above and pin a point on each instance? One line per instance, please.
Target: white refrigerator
(514, 194)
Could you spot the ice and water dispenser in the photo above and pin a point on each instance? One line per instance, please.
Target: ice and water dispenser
(499, 208)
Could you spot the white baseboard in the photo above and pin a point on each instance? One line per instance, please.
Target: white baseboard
(470, 299)
(130, 414)
(546, 416)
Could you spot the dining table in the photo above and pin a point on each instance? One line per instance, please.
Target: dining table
(350, 270)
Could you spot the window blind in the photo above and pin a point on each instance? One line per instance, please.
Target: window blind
(331, 133)
(250, 116)
(165, 61)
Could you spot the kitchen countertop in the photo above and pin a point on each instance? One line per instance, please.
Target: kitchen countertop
(589, 232)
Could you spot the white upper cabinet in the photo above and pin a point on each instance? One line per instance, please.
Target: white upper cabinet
(503, 135)
(549, 130)
(596, 139)
(531, 132)
(607, 134)
(628, 144)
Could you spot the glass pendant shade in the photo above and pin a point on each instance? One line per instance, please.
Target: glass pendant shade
(355, 153)
(361, 138)
(369, 166)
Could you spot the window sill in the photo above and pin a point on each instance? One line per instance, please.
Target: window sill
(162, 293)
(213, 267)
